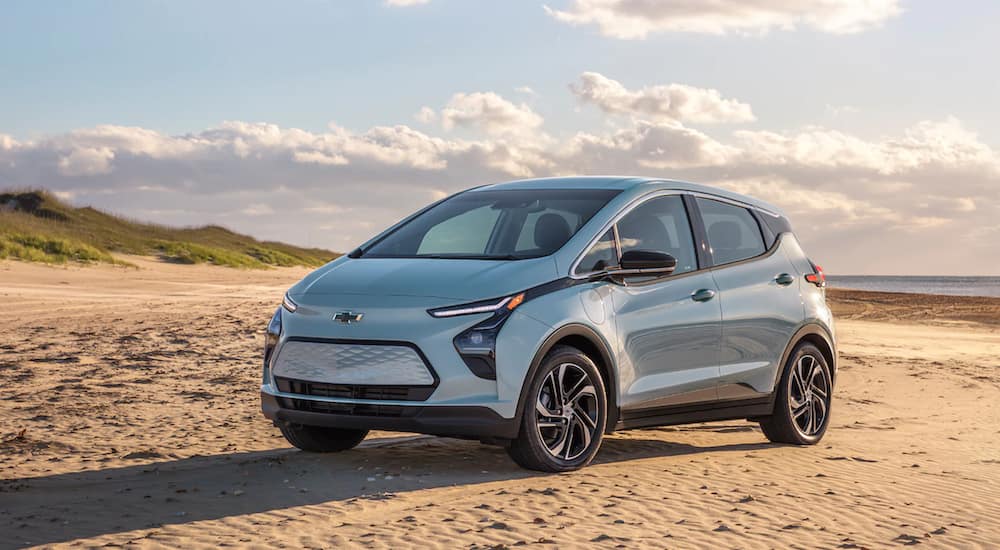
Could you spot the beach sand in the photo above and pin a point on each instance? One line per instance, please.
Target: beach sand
(130, 416)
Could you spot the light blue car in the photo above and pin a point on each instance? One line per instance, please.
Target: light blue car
(542, 314)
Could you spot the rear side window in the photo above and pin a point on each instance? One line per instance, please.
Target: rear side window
(733, 233)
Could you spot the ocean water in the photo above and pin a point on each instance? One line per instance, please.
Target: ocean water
(955, 286)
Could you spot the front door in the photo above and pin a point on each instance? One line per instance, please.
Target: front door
(669, 328)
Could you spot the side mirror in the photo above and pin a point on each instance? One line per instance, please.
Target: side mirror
(646, 262)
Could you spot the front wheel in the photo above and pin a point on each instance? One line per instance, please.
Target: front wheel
(802, 408)
(317, 439)
(564, 418)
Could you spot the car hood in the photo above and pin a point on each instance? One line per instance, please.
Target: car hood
(426, 277)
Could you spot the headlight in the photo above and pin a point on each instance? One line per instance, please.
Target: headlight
(477, 345)
(289, 304)
(272, 336)
(486, 306)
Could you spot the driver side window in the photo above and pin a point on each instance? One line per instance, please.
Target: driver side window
(660, 225)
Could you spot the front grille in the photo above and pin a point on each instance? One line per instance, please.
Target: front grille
(354, 391)
(346, 362)
(348, 409)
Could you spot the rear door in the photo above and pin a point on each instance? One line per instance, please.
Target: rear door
(759, 295)
(668, 327)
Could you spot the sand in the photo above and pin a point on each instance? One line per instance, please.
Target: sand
(130, 416)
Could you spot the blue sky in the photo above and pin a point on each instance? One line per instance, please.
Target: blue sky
(182, 65)
(181, 70)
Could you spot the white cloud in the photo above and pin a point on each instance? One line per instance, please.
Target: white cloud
(86, 161)
(964, 204)
(636, 19)
(646, 145)
(7, 143)
(319, 157)
(858, 204)
(258, 209)
(927, 144)
(426, 115)
(671, 102)
(808, 203)
(486, 111)
(405, 3)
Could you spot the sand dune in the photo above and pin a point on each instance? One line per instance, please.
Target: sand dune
(130, 415)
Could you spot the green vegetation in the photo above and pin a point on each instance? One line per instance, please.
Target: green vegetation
(36, 226)
(51, 250)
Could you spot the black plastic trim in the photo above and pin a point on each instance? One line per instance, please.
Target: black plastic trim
(702, 249)
(606, 359)
(809, 329)
(777, 223)
(456, 421)
(701, 412)
(370, 392)
(769, 235)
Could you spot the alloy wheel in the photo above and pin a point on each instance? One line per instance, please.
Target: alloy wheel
(566, 411)
(809, 395)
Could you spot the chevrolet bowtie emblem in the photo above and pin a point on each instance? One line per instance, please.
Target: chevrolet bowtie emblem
(348, 317)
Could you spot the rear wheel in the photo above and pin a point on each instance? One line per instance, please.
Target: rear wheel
(317, 439)
(802, 407)
(563, 421)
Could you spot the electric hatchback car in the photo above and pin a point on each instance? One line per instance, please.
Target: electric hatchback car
(543, 314)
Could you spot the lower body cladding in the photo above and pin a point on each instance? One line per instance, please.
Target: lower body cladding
(446, 420)
(378, 385)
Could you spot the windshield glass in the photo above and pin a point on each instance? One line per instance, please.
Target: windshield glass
(508, 224)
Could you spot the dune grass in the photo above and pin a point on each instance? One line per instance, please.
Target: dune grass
(36, 226)
(52, 250)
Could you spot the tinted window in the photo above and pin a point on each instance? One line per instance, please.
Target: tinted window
(498, 224)
(733, 233)
(468, 231)
(601, 256)
(660, 225)
(530, 234)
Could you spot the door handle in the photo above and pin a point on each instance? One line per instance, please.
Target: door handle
(703, 295)
(784, 279)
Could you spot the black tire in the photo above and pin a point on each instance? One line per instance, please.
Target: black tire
(801, 416)
(317, 439)
(584, 414)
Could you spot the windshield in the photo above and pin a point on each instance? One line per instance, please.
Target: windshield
(511, 224)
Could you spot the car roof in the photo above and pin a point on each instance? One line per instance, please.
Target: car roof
(623, 183)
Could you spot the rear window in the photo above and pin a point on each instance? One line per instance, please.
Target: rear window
(733, 233)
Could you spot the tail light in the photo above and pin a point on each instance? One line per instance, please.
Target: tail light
(817, 277)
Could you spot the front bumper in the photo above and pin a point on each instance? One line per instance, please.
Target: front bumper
(470, 421)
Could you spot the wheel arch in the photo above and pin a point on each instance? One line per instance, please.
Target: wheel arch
(594, 346)
(818, 336)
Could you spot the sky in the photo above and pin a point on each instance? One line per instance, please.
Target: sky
(873, 123)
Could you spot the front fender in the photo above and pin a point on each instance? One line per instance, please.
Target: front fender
(580, 314)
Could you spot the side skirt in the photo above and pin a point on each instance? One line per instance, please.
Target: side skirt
(689, 414)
